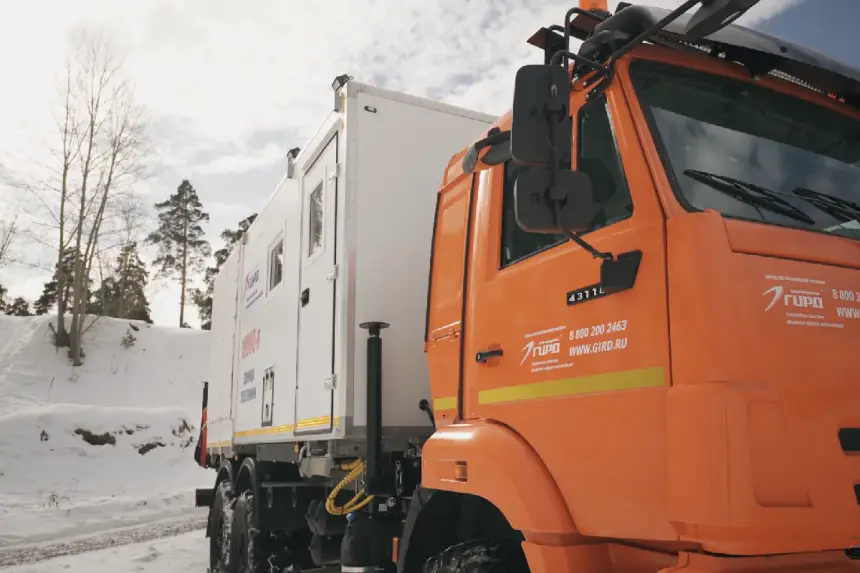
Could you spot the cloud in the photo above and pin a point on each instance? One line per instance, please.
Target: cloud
(246, 161)
(231, 86)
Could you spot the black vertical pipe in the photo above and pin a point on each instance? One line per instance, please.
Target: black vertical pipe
(373, 459)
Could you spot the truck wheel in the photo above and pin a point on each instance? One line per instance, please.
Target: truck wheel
(219, 528)
(252, 550)
(480, 556)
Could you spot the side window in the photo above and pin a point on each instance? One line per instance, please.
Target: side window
(597, 155)
(276, 264)
(315, 220)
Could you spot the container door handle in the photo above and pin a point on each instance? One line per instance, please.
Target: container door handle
(306, 296)
(484, 355)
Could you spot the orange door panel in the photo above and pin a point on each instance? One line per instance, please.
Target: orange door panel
(583, 383)
(445, 305)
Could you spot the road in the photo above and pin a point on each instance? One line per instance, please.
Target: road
(165, 547)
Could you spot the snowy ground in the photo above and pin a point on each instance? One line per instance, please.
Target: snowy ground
(88, 450)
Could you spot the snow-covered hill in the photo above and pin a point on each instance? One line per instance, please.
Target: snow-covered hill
(104, 445)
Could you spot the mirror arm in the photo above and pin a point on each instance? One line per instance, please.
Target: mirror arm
(565, 55)
(595, 253)
(601, 85)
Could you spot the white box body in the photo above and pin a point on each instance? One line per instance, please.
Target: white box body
(296, 369)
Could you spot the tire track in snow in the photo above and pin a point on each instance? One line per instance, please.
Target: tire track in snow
(35, 553)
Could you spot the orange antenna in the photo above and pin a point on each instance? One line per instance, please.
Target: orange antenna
(599, 5)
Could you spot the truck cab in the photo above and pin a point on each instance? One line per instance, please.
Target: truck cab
(645, 295)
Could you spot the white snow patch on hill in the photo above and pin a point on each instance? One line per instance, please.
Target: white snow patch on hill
(103, 445)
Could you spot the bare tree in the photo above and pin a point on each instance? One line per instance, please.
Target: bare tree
(132, 218)
(100, 154)
(70, 140)
(8, 234)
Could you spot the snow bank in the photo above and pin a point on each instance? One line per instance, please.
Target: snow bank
(103, 445)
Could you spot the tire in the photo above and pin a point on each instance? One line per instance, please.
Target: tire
(219, 528)
(480, 556)
(252, 550)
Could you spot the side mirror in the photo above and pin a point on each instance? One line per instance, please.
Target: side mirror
(498, 152)
(535, 196)
(540, 116)
(713, 15)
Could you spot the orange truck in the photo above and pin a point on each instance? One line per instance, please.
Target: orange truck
(642, 303)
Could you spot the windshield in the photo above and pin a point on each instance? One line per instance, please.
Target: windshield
(750, 152)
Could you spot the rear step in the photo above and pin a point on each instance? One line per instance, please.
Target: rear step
(204, 497)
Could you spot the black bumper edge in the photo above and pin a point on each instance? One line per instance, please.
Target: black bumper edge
(203, 497)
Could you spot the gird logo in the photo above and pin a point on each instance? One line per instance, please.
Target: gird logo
(777, 294)
(539, 349)
(797, 299)
(252, 278)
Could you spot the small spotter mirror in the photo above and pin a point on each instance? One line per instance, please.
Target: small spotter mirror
(535, 196)
(713, 15)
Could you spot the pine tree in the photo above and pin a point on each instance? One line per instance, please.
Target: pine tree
(49, 296)
(103, 300)
(3, 292)
(179, 236)
(203, 299)
(19, 307)
(47, 299)
(123, 295)
(132, 277)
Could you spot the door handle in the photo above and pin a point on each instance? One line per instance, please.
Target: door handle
(484, 355)
(306, 296)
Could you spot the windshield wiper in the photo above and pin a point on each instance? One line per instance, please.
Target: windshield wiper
(750, 194)
(840, 209)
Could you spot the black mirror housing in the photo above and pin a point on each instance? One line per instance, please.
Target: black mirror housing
(540, 115)
(713, 15)
(535, 196)
(498, 152)
(470, 159)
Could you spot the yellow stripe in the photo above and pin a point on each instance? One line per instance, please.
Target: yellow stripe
(217, 444)
(264, 431)
(287, 428)
(446, 403)
(628, 380)
(313, 422)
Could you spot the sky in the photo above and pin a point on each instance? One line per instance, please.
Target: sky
(230, 86)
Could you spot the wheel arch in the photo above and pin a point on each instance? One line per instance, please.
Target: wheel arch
(246, 477)
(438, 519)
(226, 472)
(499, 465)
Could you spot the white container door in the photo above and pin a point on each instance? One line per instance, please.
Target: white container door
(317, 294)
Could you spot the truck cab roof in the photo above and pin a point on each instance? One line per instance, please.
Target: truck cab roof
(759, 52)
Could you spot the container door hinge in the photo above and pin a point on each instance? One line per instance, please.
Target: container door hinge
(330, 382)
(332, 275)
(334, 173)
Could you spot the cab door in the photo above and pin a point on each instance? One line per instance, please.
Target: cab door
(581, 378)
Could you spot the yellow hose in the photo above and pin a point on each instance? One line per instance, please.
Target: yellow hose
(356, 468)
